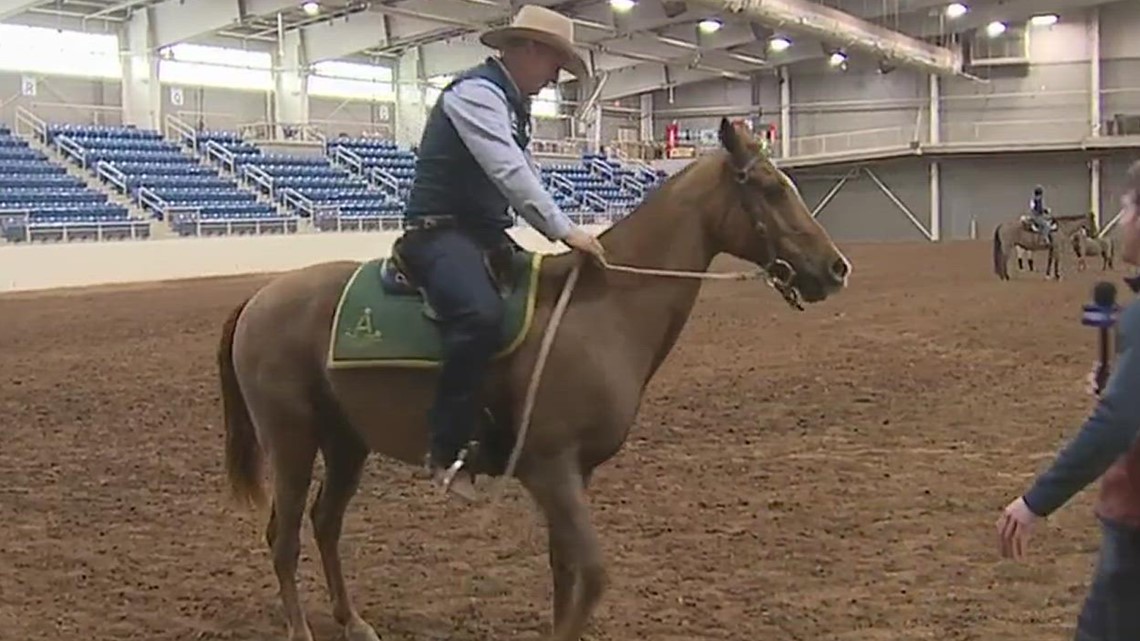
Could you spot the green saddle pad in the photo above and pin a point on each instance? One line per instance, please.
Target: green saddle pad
(376, 327)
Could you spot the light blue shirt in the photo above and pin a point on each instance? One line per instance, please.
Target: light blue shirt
(479, 111)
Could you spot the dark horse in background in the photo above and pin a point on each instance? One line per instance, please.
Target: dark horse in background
(1020, 232)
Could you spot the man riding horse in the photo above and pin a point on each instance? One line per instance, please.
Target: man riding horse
(473, 165)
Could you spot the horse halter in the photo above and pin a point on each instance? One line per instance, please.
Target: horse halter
(778, 272)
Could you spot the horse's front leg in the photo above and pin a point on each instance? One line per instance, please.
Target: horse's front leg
(559, 489)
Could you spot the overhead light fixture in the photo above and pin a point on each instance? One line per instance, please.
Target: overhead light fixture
(837, 58)
(1047, 20)
(311, 8)
(779, 43)
(956, 10)
(709, 25)
(623, 6)
(995, 29)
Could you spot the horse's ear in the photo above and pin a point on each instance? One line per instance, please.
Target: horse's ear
(731, 141)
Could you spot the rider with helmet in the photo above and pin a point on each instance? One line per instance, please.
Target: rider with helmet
(1039, 213)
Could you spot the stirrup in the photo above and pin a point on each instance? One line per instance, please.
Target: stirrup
(453, 470)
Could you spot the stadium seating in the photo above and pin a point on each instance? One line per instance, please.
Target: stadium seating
(39, 200)
(381, 160)
(164, 180)
(309, 185)
(599, 184)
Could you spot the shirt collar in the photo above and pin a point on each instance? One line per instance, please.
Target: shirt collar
(507, 73)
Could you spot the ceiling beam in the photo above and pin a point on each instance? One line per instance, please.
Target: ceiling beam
(176, 20)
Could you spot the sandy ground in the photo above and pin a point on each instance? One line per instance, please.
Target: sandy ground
(832, 475)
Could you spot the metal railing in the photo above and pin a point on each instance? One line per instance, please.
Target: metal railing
(66, 231)
(149, 199)
(383, 180)
(71, 149)
(347, 158)
(188, 221)
(256, 177)
(29, 124)
(179, 130)
(297, 201)
(219, 155)
(109, 173)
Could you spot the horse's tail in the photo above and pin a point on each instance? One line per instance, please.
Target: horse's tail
(997, 250)
(243, 453)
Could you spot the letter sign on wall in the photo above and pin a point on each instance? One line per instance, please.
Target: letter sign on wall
(176, 97)
(28, 85)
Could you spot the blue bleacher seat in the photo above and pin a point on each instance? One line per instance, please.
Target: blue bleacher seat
(311, 184)
(40, 200)
(162, 178)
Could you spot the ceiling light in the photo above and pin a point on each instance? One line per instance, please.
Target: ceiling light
(311, 8)
(709, 25)
(623, 6)
(956, 10)
(1047, 20)
(779, 43)
(837, 58)
(995, 29)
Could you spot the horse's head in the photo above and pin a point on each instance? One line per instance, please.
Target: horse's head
(768, 223)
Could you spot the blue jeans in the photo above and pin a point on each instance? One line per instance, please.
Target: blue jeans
(1112, 608)
(448, 265)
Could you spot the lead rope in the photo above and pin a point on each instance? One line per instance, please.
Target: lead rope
(548, 340)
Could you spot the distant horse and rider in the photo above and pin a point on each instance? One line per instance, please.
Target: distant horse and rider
(1027, 234)
(286, 400)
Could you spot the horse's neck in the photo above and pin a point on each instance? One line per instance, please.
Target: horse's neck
(671, 230)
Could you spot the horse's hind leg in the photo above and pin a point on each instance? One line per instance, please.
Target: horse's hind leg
(344, 457)
(292, 473)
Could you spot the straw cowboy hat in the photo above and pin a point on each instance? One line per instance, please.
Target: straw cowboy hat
(546, 26)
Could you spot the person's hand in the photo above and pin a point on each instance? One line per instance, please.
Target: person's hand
(1090, 380)
(1015, 527)
(586, 242)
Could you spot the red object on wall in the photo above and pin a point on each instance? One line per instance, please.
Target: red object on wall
(672, 130)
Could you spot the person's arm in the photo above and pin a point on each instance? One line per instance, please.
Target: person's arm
(479, 112)
(1107, 434)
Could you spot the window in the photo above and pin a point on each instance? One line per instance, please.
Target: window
(203, 66)
(62, 53)
(337, 79)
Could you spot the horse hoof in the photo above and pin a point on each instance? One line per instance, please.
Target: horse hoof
(358, 630)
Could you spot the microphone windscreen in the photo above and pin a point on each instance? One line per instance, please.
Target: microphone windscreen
(1104, 294)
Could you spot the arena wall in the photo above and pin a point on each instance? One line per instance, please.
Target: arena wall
(49, 266)
(862, 108)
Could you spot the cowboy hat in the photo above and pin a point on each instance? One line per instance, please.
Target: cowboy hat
(549, 27)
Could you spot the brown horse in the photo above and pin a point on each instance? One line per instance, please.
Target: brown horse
(283, 403)
(1015, 233)
(1086, 245)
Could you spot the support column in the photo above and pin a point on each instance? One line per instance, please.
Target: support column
(597, 124)
(291, 85)
(411, 99)
(1093, 25)
(785, 112)
(141, 91)
(646, 117)
(935, 113)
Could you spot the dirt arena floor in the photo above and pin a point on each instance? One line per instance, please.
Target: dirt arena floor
(831, 475)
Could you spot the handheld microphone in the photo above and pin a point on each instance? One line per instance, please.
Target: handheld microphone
(1102, 315)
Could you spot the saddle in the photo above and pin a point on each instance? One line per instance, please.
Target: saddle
(396, 279)
(1033, 224)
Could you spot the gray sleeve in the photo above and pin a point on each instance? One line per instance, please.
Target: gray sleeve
(1107, 434)
(479, 112)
